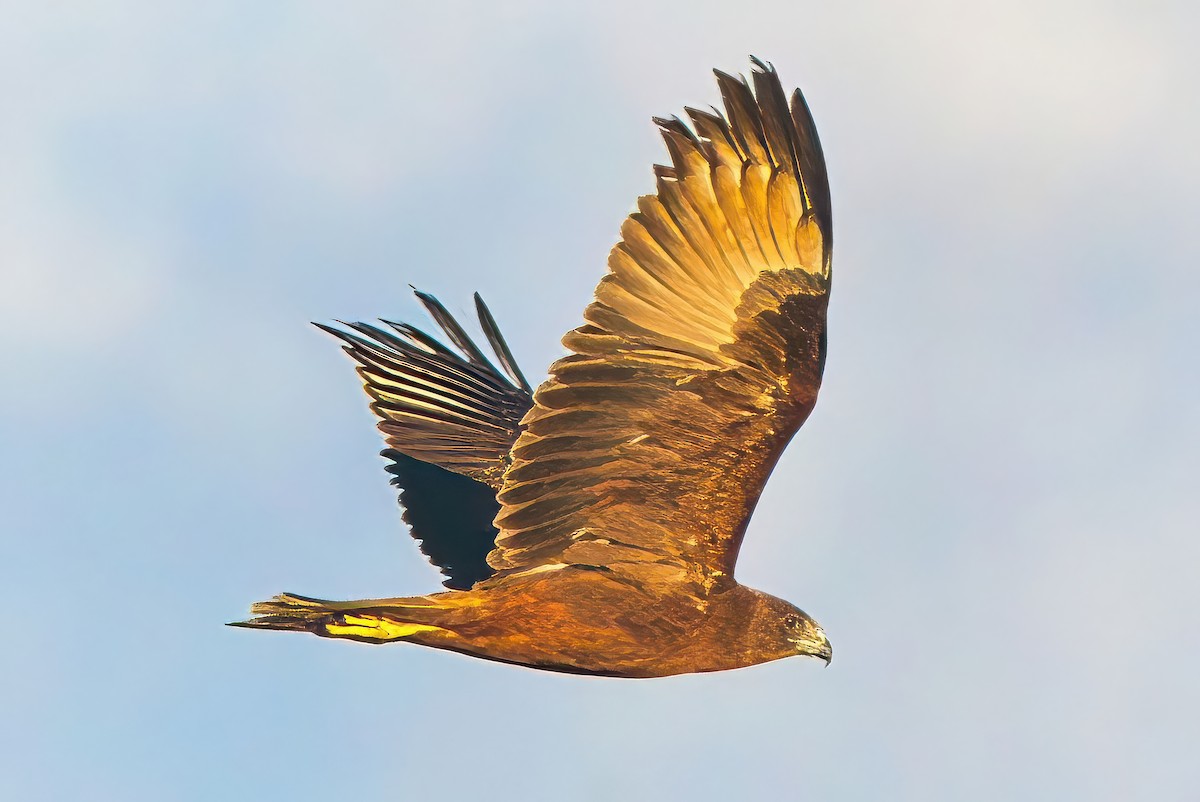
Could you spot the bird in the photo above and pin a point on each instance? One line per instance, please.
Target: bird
(592, 526)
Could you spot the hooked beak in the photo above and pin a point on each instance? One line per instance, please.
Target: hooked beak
(817, 646)
(826, 651)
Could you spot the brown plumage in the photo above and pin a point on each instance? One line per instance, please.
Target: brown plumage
(593, 527)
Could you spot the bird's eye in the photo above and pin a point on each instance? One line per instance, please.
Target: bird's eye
(791, 621)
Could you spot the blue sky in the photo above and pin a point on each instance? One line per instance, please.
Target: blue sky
(992, 510)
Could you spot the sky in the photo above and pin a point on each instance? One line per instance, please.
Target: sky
(990, 510)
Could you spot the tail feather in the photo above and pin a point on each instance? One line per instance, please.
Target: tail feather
(288, 611)
(363, 621)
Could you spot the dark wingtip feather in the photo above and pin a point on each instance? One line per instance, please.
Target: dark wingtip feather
(812, 165)
(743, 115)
(759, 124)
(422, 339)
(677, 126)
(452, 329)
(778, 128)
(499, 345)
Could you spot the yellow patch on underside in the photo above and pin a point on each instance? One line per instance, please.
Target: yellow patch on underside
(368, 627)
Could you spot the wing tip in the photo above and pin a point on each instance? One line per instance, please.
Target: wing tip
(762, 66)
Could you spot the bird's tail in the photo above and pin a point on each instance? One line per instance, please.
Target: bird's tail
(376, 621)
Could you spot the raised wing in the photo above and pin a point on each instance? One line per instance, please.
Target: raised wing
(700, 357)
(450, 420)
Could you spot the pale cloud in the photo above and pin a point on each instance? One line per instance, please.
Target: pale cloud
(68, 284)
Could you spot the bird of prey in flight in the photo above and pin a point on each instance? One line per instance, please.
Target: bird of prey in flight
(592, 525)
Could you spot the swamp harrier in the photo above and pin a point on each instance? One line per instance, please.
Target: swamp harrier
(592, 525)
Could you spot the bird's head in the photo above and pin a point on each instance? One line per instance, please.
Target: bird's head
(789, 630)
(806, 635)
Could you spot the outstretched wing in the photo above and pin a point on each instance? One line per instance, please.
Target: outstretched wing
(450, 419)
(700, 358)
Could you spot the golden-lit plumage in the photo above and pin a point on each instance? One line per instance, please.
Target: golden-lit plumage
(622, 488)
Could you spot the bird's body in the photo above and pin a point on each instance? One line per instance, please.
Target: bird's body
(592, 526)
(575, 619)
